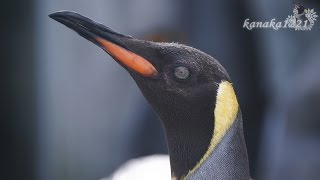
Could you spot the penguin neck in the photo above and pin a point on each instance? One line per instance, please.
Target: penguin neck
(206, 142)
(189, 157)
(187, 141)
(229, 159)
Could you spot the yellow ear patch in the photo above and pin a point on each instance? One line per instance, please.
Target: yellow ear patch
(225, 114)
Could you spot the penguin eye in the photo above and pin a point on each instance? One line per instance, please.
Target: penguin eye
(181, 72)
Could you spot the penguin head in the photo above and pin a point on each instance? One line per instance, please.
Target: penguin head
(186, 78)
(182, 74)
(181, 83)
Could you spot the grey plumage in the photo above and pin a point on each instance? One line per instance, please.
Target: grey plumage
(229, 161)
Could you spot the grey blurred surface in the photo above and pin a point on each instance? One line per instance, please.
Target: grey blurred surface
(291, 70)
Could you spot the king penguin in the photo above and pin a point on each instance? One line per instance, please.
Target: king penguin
(191, 93)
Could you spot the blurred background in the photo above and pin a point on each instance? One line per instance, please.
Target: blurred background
(70, 112)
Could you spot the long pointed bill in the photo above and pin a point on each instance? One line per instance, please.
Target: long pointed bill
(112, 42)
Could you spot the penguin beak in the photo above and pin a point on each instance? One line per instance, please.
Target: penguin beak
(115, 44)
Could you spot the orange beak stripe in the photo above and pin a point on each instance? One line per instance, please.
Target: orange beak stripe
(129, 59)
